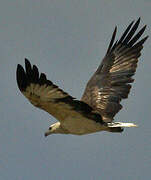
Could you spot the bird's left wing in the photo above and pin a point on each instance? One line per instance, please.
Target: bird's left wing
(43, 94)
(111, 82)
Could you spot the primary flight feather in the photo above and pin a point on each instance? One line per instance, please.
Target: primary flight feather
(104, 91)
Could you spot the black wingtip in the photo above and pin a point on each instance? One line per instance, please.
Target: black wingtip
(112, 40)
(136, 37)
(138, 20)
(18, 66)
(28, 67)
(30, 75)
(146, 37)
(132, 32)
(21, 78)
(27, 61)
(125, 32)
(24, 76)
(141, 42)
(128, 38)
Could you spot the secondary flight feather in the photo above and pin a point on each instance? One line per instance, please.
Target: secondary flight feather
(102, 96)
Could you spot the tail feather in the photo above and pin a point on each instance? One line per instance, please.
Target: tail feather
(115, 129)
(121, 124)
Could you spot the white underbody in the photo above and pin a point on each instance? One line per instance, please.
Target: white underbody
(81, 126)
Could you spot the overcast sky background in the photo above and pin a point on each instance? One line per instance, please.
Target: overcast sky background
(67, 39)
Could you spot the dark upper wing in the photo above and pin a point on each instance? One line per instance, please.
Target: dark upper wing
(110, 83)
(43, 94)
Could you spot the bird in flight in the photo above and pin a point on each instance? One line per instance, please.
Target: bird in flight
(103, 93)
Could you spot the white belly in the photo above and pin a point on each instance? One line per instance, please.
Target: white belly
(81, 125)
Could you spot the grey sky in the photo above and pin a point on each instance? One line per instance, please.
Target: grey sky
(67, 39)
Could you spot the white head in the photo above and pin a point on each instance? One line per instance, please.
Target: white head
(56, 129)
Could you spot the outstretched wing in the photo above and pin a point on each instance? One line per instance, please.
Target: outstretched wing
(43, 94)
(110, 83)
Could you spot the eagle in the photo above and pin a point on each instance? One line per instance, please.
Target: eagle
(103, 93)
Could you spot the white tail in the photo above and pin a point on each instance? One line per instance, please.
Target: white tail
(120, 124)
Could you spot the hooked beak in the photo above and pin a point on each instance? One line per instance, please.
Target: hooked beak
(47, 133)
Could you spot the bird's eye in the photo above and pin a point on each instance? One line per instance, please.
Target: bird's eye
(50, 128)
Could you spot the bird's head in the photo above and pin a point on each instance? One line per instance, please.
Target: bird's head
(55, 129)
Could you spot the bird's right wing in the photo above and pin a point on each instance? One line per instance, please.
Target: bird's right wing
(45, 95)
(110, 83)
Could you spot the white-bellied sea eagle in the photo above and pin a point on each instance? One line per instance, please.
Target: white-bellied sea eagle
(102, 96)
